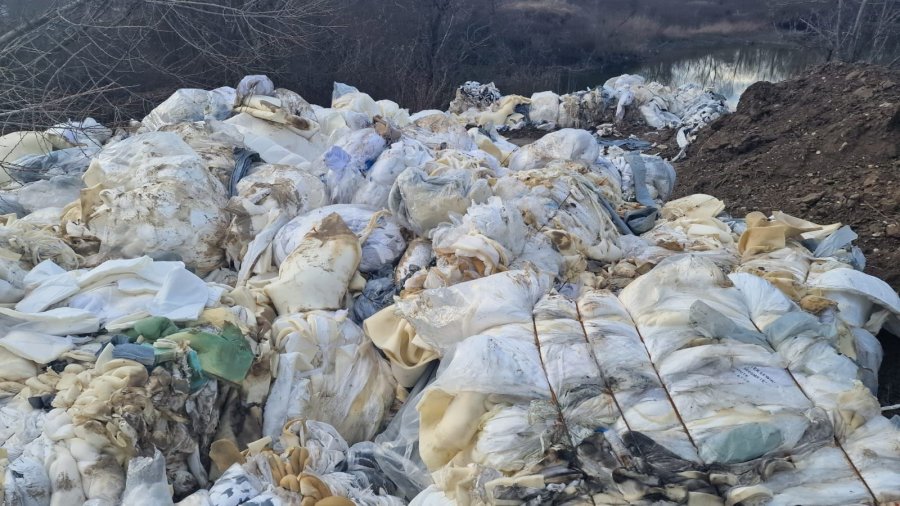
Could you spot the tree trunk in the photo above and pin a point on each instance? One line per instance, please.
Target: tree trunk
(856, 31)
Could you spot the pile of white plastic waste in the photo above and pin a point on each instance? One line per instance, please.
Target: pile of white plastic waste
(249, 299)
(687, 108)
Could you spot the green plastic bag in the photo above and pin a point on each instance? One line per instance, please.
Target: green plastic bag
(152, 328)
(226, 356)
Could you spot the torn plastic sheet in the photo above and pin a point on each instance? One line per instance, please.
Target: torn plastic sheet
(35, 346)
(841, 239)
(69, 161)
(121, 291)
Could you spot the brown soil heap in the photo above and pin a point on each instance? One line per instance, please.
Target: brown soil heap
(823, 147)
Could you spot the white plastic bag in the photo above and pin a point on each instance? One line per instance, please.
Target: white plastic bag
(863, 300)
(383, 241)
(152, 195)
(189, 105)
(87, 133)
(317, 272)
(565, 144)
(269, 193)
(277, 143)
(374, 192)
(438, 130)
(328, 371)
(443, 317)
(421, 201)
(485, 371)
(544, 107)
(62, 162)
(347, 161)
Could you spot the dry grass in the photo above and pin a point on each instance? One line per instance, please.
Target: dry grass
(650, 28)
(723, 27)
(546, 6)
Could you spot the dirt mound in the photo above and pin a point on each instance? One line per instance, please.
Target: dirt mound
(823, 147)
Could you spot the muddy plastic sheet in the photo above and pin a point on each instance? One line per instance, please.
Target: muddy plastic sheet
(618, 460)
(536, 384)
(632, 380)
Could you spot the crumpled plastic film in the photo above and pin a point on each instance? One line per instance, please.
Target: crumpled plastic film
(629, 374)
(565, 206)
(421, 201)
(565, 144)
(316, 274)
(381, 239)
(686, 349)
(443, 317)
(327, 371)
(188, 105)
(396, 338)
(132, 206)
(266, 194)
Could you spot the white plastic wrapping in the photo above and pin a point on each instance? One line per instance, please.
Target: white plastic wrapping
(421, 201)
(190, 105)
(501, 367)
(317, 272)
(688, 352)
(151, 195)
(117, 292)
(443, 317)
(277, 143)
(327, 371)
(522, 360)
(347, 161)
(381, 240)
(565, 144)
(544, 107)
(863, 300)
(269, 193)
(374, 192)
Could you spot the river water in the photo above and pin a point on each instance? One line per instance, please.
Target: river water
(727, 70)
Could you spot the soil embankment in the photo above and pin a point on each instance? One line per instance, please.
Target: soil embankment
(823, 147)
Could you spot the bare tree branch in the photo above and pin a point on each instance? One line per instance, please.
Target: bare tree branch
(854, 30)
(119, 56)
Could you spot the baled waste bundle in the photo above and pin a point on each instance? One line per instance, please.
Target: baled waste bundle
(255, 300)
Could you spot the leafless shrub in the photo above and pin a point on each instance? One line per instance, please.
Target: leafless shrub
(110, 57)
(419, 56)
